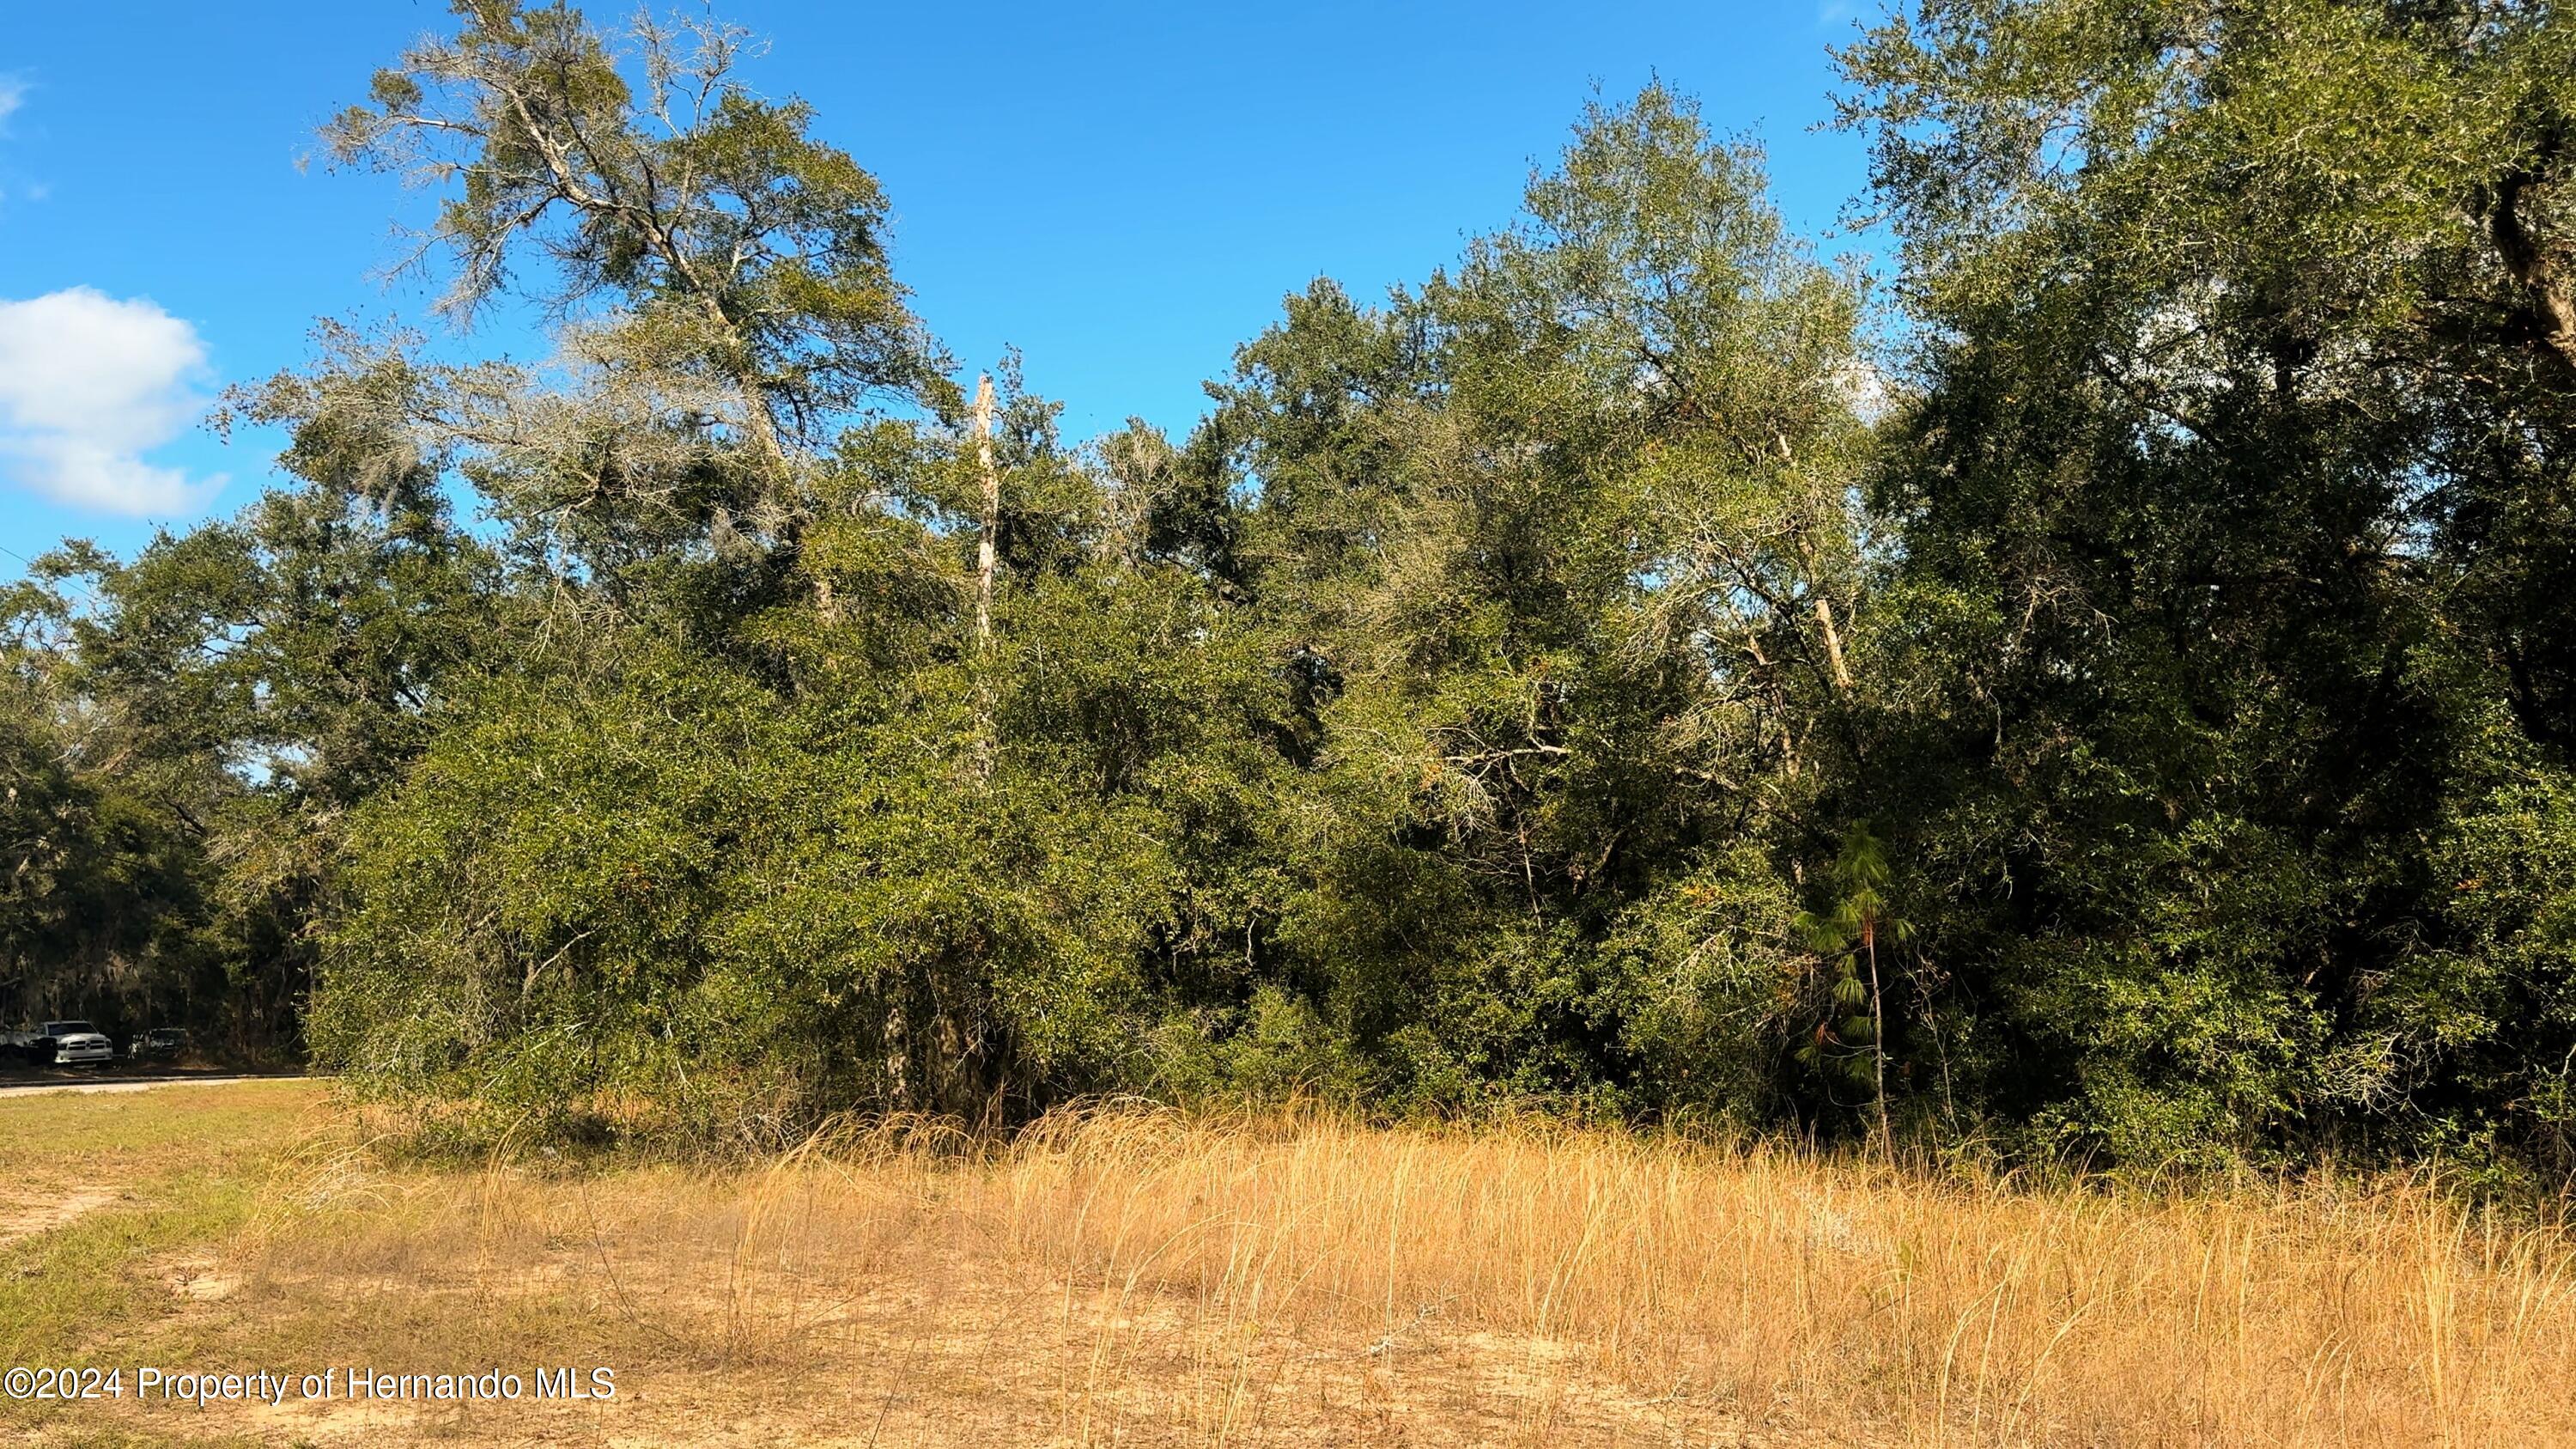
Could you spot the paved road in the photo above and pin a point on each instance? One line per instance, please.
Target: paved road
(131, 1084)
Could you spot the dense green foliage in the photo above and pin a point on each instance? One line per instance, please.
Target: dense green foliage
(2129, 714)
(2237, 517)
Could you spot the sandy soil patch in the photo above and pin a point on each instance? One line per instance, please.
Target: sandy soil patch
(24, 1214)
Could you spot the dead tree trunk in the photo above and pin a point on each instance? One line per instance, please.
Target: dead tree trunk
(987, 563)
(986, 559)
(1833, 643)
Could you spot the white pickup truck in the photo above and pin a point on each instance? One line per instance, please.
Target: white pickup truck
(60, 1044)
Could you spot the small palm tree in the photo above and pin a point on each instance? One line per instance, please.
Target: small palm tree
(1847, 935)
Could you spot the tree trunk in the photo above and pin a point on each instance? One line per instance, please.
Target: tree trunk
(1833, 643)
(2532, 262)
(1878, 1039)
(986, 560)
(987, 563)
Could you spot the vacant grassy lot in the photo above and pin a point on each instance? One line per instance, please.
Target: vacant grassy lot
(1144, 1279)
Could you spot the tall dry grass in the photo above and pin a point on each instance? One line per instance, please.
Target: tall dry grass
(1960, 1312)
(1137, 1275)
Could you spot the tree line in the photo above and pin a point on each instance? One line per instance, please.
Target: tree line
(2108, 689)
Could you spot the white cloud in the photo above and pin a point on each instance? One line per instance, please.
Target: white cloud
(88, 384)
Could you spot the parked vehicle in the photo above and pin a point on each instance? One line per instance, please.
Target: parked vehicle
(161, 1043)
(61, 1044)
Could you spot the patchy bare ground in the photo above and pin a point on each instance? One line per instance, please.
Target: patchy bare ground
(829, 1303)
(944, 1338)
(1154, 1280)
(22, 1213)
(961, 1371)
(936, 1346)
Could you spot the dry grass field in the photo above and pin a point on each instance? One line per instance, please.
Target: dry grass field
(1137, 1278)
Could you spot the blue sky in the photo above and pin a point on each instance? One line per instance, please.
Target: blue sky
(1123, 191)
